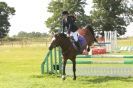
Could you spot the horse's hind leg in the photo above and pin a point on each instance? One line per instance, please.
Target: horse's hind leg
(64, 66)
(74, 69)
(88, 49)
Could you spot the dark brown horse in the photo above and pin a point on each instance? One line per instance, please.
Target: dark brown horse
(68, 50)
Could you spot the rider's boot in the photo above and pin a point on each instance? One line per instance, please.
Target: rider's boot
(78, 46)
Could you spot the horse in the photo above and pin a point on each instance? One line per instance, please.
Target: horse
(68, 49)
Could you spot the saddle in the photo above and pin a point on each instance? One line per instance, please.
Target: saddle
(80, 44)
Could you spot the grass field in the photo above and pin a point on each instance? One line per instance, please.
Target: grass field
(20, 68)
(125, 42)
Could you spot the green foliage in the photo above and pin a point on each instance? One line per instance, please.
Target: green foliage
(55, 7)
(5, 13)
(73, 6)
(109, 15)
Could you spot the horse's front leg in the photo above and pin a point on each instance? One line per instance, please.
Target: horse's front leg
(74, 69)
(64, 66)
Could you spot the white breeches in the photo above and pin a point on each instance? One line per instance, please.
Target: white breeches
(75, 35)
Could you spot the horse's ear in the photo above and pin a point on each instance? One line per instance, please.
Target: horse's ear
(84, 27)
(51, 33)
(56, 35)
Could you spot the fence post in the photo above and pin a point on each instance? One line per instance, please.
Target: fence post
(60, 61)
(51, 59)
(55, 59)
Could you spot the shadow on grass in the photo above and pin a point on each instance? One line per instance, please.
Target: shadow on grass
(107, 79)
(46, 76)
(37, 76)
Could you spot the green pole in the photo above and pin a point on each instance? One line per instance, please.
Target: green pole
(128, 61)
(60, 61)
(44, 62)
(47, 66)
(128, 56)
(55, 60)
(51, 59)
(42, 68)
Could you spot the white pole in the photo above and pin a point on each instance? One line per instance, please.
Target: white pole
(110, 45)
(110, 37)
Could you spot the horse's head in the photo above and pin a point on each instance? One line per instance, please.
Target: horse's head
(57, 40)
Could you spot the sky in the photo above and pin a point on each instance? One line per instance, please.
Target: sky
(31, 16)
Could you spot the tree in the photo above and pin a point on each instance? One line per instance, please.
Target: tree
(5, 13)
(110, 15)
(22, 34)
(73, 6)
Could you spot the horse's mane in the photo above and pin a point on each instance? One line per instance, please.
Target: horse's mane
(62, 35)
(89, 27)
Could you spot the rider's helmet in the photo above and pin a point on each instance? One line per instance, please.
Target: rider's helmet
(65, 13)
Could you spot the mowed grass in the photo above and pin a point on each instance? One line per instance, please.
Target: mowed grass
(125, 42)
(20, 68)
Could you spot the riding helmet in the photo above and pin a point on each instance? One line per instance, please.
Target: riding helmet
(65, 13)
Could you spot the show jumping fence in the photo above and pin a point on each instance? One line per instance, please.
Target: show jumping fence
(106, 44)
(110, 40)
(53, 64)
(87, 66)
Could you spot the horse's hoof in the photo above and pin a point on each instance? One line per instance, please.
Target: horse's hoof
(74, 78)
(63, 77)
(88, 49)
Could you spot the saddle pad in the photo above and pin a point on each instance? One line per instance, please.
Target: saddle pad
(82, 40)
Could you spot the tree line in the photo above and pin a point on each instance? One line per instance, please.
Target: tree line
(23, 34)
(106, 15)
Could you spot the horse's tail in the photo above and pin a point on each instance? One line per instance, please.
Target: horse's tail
(92, 31)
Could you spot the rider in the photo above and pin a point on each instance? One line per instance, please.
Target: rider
(68, 23)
